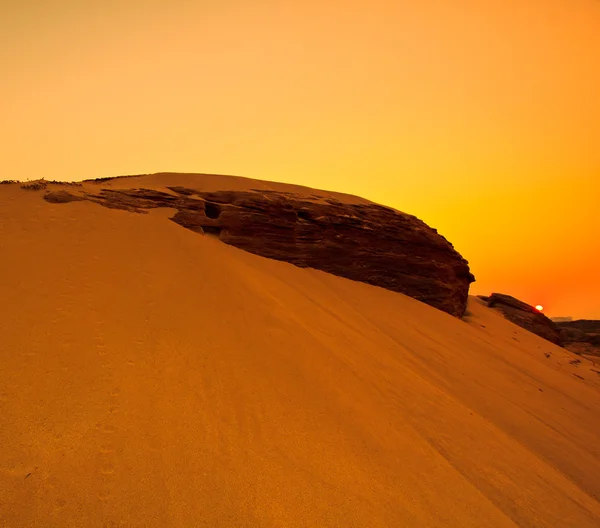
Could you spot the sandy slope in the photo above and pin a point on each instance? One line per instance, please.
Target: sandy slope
(215, 182)
(151, 376)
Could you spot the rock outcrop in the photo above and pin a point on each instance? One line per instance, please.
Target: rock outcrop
(61, 197)
(525, 316)
(581, 337)
(365, 242)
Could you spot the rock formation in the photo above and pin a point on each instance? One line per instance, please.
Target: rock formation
(365, 242)
(581, 337)
(525, 316)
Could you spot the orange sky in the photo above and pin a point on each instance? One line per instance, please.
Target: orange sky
(482, 117)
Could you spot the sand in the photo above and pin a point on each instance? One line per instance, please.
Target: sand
(151, 376)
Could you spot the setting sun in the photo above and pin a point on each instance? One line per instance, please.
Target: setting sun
(539, 308)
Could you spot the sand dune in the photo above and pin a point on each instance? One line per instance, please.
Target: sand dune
(214, 182)
(151, 376)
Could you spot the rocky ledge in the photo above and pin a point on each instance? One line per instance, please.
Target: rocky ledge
(581, 337)
(524, 315)
(364, 242)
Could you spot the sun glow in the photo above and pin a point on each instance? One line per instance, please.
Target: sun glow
(539, 308)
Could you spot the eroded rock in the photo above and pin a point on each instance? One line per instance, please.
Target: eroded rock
(582, 336)
(61, 197)
(364, 242)
(526, 316)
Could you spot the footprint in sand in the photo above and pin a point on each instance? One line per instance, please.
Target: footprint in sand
(59, 504)
(106, 452)
(104, 495)
(106, 449)
(107, 469)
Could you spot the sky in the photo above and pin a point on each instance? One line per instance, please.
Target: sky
(481, 117)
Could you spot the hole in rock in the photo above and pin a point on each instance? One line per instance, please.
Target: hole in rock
(212, 210)
(305, 215)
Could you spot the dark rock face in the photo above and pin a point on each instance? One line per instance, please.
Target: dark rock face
(525, 316)
(364, 242)
(581, 337)
(588, 326)
(61, 197)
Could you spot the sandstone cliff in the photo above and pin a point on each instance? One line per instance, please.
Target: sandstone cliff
(362, 241)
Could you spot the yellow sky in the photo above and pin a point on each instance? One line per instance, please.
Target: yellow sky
(482, 117)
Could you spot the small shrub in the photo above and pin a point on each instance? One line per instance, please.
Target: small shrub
(37, 185)
(71, 184)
